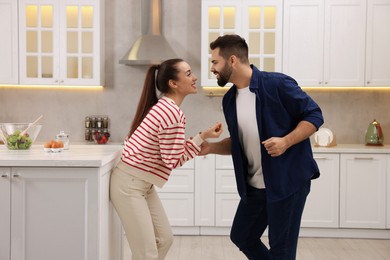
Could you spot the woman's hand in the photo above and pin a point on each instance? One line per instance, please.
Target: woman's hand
(212, 132)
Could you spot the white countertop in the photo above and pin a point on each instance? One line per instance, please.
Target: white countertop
(76, 156)
(352, 148)
(90, 155)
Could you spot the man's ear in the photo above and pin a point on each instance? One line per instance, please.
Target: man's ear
(233, 60)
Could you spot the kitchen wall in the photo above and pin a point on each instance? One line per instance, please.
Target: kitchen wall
(347, 113)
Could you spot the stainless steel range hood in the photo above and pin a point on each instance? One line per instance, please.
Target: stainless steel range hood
(151, 47)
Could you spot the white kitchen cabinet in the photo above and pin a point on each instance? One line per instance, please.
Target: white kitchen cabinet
(259, 22)
(61, 42)
(378, 42)
(324, 42)
(226, 198)
(322, 203)
(205, 190)
(388, 193)
(57, 213)
(177, 195)
(9, 42)
(363, 191)
(5, 216)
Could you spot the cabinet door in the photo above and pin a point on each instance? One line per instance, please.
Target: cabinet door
(322, 204)
(38, 42)
(5, 216)
(344, 48)
(303, 41)
(388, 193)
(262, 29)
(378, 42)
(218, 18)
(54, 213)
(363, 191)
(9, 42)
(60, 42)
(205, 190)
(80, 42)
(179, 208)
(225, 209)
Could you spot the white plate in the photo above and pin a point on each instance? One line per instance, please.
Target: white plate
(323, 137)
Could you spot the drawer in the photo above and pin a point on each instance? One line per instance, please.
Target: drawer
(225, 181)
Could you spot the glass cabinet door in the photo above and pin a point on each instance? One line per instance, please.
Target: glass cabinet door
(38, 50)
(79, 45)
(262, 21)
(60, 42)
(218, 18)
(258, 21)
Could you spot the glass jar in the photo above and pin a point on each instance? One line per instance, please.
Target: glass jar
(87, 122)
(105, 122)
(64, 138)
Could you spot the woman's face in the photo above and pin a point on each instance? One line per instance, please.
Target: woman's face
(186, 80)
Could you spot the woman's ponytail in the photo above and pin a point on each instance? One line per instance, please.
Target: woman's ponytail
(148, 98)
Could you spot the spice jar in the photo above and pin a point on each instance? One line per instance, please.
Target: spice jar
(105, 122)
(87, 122)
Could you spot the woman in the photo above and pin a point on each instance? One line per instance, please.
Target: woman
(155, 145)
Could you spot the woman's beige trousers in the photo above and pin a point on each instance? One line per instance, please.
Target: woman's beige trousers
(143, 217)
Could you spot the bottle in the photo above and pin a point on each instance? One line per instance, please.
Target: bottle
(64, 138)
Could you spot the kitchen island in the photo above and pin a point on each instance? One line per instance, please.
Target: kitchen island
(56, 205)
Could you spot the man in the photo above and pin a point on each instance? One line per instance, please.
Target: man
(270, 120)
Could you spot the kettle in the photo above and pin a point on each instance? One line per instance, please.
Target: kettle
(374, 134)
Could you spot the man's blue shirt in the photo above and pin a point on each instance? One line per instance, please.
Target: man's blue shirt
(280, 106)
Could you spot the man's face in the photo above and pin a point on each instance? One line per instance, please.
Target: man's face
(220, 67)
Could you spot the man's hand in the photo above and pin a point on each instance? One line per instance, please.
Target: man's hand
(275, 146)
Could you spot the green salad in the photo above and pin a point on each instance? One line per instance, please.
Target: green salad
(18, 142)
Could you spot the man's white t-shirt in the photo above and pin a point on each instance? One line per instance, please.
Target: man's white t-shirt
(249, 135)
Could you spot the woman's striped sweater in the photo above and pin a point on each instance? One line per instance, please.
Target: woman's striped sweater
(158, 144)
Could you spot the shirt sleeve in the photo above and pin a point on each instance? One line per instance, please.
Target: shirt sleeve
(174, 149)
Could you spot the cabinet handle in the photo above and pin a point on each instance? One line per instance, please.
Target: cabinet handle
(368, 82)
(320, 158)
(16, 175)
(61, 81)
(4, 175)
(326, 82)
(363, 158)
(319, 82)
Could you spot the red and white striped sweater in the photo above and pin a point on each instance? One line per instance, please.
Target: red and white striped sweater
(158, 144)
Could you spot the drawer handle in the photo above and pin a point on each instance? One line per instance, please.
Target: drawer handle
(16, 175)
(364, 158)
(320, 158)
(4, 175)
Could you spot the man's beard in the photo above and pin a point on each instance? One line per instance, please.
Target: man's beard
(224, 75)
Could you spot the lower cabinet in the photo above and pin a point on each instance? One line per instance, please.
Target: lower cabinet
(388, 193)
(57, 213)
(177, 195)
(322, 203)
(363, 191)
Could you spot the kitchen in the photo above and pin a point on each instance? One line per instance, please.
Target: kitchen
(347, 111)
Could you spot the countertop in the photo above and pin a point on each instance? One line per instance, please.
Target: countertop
(352, 148)
(77, 156)
(85, 155)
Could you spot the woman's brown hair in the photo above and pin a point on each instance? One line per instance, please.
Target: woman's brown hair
(165, 71)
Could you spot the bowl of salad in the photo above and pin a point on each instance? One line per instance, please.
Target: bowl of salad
(14, 136)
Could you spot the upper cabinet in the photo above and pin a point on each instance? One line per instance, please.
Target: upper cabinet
(337, 42)
(61, 42)
(9, 42)
(378, 42)
(259, 22)
(324, 42)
